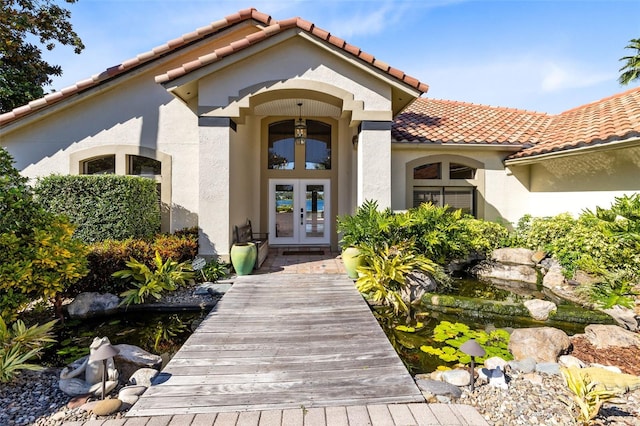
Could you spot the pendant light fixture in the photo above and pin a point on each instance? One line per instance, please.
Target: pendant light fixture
(300, 129)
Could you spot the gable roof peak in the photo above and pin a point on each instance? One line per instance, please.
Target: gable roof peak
(268, 27)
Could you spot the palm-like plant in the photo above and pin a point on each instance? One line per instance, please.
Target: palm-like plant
(19, 344)
(631, 69)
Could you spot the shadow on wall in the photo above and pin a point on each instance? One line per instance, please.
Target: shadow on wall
(180, 217)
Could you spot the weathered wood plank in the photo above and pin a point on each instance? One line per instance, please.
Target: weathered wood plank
(282, 342)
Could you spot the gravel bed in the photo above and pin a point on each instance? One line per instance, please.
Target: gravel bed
(541, 399)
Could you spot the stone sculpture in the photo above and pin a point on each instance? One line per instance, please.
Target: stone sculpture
(84, 376)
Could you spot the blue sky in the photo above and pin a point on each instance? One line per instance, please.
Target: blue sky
(542, 55)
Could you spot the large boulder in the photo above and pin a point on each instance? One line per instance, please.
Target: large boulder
(624, 317)
(131, 358)
(603, 336)
(514, 256)
(543, 344)
(506, 273)
(90, 304)
(540, 309)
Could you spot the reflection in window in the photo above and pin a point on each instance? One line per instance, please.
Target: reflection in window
(318, 146)
(99, 165)
(460, 171)
(144, 166)
(428, 171)
(281, 146)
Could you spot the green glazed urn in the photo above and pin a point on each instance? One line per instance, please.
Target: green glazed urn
(243, 257)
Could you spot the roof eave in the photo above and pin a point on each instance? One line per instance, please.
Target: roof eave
(625, 143)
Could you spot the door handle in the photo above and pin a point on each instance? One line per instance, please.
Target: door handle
(301, 217)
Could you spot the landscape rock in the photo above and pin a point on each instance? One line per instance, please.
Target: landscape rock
(543, 344)
(540, 309)
(418, 283)
(143, 376)
(538, 256)
(624, 317)
(603, 336)
(90, 304)
(554, 278)
(438, 388)
(495, 362)
(570, 361)
(548, 368)
(506, 273)
(132, 358)
(457, 377)
(135, 390)
(107, 407)
(78, 401)
(524, 366)
(513, 256)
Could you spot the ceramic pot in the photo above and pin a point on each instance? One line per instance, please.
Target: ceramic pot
(243, 257)
(352, 258)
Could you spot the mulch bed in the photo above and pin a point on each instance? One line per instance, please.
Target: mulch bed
(627, 359)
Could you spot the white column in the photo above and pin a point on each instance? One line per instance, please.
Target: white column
(374, 163)
(214, 185)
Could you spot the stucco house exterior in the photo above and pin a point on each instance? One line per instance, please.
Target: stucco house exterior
(284, 124)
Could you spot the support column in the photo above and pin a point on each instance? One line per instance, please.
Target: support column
(374, 163)
(214, 156)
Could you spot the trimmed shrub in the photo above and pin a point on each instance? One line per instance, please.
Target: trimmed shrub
(110, 256)
(103, 207)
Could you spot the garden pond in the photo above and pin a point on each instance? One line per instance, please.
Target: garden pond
(427, 338)
(161, 333)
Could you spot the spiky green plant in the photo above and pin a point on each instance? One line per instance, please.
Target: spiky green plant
(384, 275)
(586, 395)
(19, 344)
(167, 276)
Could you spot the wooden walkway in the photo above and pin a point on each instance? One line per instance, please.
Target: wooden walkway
(288, 349)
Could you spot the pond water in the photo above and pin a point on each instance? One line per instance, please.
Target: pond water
(408, 344)
(161, 333)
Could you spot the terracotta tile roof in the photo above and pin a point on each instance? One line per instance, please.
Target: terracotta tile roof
(270, 28)
(451, 122)
(611, 119)
(277, 27)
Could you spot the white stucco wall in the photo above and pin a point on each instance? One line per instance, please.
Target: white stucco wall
(135, 113)
(574, 183)
(293, 59)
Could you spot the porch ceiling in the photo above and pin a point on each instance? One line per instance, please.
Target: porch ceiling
(289, 107)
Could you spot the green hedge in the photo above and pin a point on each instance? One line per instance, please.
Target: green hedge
(103, 207)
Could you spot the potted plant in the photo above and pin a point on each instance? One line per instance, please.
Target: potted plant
(356, 231)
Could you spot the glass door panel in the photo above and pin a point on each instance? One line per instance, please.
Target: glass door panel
(299, 211)
(284, 203)
(314, 206)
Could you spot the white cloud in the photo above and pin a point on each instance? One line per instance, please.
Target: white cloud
(560, 76)
(526, 82)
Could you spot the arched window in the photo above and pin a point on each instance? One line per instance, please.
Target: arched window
(316, 150)
(102, 165)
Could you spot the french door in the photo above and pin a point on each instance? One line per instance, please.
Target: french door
(299, 212)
